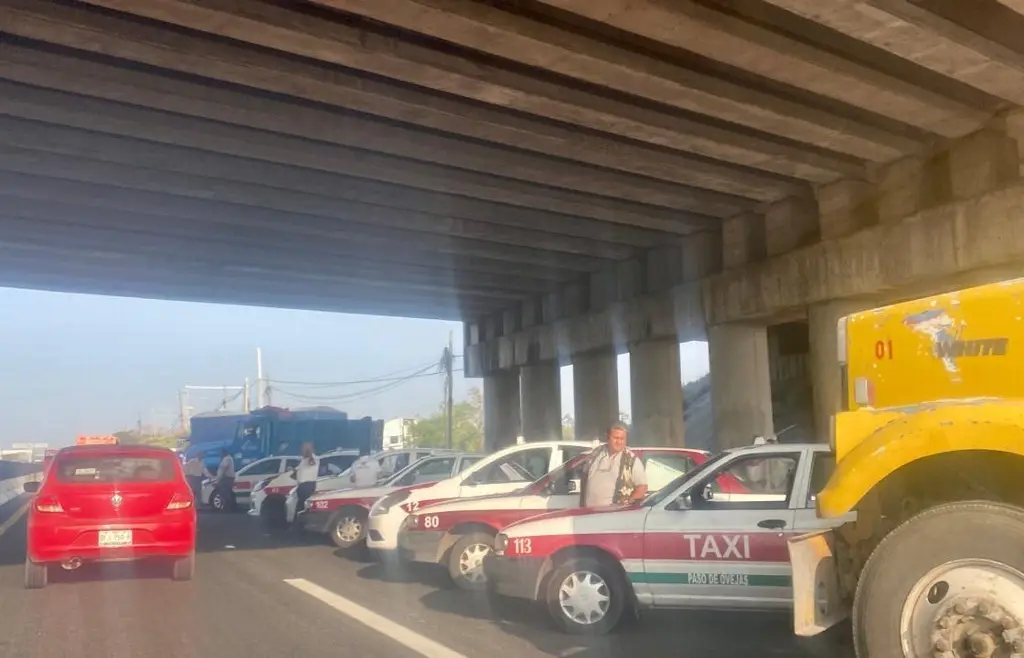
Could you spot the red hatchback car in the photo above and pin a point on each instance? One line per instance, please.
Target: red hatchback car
(110, 503)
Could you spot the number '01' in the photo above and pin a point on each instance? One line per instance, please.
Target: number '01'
(883, 349)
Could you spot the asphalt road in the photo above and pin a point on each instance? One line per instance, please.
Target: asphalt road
(260, 595)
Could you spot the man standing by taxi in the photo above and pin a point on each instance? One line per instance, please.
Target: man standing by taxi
(305, 474)
(614, 475)
(225, 483)
(196, 472)
(365, 470)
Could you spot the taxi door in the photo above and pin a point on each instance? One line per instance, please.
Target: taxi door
(725, 550)
(512, 473)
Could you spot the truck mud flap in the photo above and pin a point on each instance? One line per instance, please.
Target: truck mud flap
(817, 603)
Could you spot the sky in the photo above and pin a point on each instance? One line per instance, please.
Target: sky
(83, 364)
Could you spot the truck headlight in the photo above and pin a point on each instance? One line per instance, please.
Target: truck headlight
(500, 543)
(384, 505)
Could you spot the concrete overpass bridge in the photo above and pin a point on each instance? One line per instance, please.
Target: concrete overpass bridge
(572, 178)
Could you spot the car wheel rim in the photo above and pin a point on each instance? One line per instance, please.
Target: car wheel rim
(217, 502)
(584, 597)
(471, 562)
(965, 608)
(348, 529)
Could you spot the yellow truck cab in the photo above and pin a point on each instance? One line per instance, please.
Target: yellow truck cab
(929, 454)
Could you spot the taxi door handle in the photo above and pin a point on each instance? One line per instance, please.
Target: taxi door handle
(772, 524)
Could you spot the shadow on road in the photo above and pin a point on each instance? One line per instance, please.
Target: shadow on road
(685, 634)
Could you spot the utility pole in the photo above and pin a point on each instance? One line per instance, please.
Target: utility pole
(446, 361)
(183, 410)
(259, 379)
(246, 405)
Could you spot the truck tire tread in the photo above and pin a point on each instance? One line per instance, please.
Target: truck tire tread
(1003, 511)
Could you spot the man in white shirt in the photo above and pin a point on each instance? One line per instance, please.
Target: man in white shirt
(195, 472)
(305, 474)
(226, 478)
(365, 470)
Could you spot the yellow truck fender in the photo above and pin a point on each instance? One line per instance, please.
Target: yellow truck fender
(896, 437)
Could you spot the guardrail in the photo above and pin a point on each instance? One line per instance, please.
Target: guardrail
(14, 475)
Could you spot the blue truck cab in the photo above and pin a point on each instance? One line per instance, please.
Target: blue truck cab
(277, 431)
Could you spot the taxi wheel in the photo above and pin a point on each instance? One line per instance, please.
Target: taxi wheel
(184, 568)
(35, 575)
(274, 513)
(348, 528)
(586, 596)
(466, 561)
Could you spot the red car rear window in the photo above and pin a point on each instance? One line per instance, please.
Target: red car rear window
(88, 469)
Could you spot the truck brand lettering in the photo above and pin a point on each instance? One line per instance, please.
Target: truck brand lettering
(955, 349)
(735, 546)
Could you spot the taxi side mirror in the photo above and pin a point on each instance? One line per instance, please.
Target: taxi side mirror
(574, 486)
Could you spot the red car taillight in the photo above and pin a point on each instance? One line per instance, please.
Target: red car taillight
(180, 501)
(49, 505)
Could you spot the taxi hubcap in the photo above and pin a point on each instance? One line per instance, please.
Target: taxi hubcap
(349, 529)
(965, 609)
(584, 597)
(471, 562)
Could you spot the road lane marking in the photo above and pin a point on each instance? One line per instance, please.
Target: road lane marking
(411, 639)
(14, 518)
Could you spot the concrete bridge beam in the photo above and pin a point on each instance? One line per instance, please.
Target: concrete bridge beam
(541, 396)
(741, 391)
(502, 414)
(656, 393)
(595, 394)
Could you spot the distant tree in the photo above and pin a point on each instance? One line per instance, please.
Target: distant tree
(467, 426)
(568, 427)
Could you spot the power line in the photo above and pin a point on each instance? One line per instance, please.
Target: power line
(357, 395)
(398, 375)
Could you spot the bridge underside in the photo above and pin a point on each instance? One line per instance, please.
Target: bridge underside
(573, 178)
(450, 158)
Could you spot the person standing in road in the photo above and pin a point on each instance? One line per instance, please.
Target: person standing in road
(226, 479)
(614, 475)
(365, 470)
(196, 472)
(305, 474)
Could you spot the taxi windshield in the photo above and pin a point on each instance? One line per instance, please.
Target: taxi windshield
(672, 487)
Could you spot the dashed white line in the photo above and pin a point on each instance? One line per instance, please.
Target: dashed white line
(411, 639)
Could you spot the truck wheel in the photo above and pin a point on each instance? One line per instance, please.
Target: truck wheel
(36, 575)
(466, 561)
(348, 528)
(586, 596)
(184, 567)
(948, 582)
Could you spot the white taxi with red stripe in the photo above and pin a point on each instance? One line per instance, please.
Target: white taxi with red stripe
(506, 471)
(459, 533)
(341, 513)
(690, 545)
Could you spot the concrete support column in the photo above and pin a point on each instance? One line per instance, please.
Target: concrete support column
(826, 379)
(501, 409)
(741, 388)
(541, 392)
(657, 394)
(595, 394)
